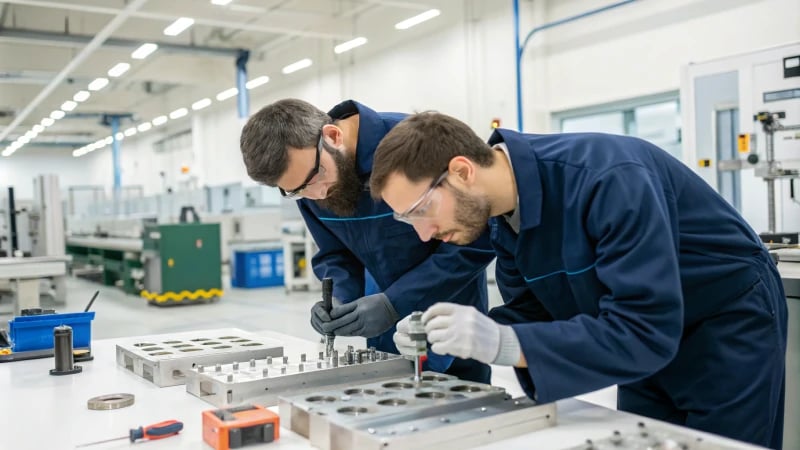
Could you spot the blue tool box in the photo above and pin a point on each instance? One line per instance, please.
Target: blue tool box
(252, 268)
(36, 332)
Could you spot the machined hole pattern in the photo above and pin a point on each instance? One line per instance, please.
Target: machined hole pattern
(466, 388)
(251, 344)
(352, 410)
(160, 353)
(392, 402)
(212, 343)
(143, 344)
(433, 378)
(398, 385)
(228, 337)
(152, 349)
(171, 342)
(430, 395)
(182, 345)
(241, 340)
(357, 391)
(193, 349)
(221, 347)
(200, 339)
(321, 399)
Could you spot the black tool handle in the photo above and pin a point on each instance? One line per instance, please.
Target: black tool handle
(327, 294)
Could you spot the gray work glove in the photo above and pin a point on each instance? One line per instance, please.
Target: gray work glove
(319, 316)
(367, 317)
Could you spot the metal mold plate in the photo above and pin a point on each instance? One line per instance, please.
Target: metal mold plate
(262, 381)
(166, 359)
(651, 436)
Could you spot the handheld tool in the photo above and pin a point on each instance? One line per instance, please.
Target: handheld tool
(236, 427)
(159, 430)
(416, 332)
(327, 303)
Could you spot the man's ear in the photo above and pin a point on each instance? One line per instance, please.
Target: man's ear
(462, 171)
(333, 134)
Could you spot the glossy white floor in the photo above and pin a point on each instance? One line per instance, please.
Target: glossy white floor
(121, 315)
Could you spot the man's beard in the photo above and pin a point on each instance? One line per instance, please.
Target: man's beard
(471, 217)
(343, 196)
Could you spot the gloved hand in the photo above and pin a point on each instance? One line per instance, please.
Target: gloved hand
(319, 316)
(465, 332)
(401, 339)
(367, 317)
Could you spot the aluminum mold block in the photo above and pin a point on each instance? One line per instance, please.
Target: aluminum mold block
(166, 359)
(247, 382)
(652, 436)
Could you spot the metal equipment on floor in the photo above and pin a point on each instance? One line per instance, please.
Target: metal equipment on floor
(165, 360)
(262, 381)
(442, 412)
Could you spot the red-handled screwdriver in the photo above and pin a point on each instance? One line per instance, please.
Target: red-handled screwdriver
(159, 430)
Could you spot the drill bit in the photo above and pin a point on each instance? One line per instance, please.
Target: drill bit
(416, 332)
(327, 302)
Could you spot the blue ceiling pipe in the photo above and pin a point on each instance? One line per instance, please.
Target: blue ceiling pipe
(242, 99)
(520, 49)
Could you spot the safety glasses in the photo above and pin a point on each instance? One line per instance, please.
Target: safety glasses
(427, 206)
(309, 181)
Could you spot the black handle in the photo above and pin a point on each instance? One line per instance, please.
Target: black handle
(327, 294)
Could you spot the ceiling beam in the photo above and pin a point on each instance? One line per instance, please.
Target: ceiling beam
(76, 40)
(96, 42)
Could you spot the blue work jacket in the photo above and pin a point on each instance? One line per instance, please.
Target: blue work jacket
(621, 249)
(413, 274)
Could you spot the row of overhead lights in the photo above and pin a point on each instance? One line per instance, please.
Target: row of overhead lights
(174, 29)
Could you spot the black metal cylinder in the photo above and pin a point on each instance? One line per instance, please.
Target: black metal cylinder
(62, 346)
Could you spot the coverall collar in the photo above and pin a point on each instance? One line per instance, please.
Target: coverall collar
(371, 128)
(526, 175)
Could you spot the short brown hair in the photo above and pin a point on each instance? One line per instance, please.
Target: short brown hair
(421, 147)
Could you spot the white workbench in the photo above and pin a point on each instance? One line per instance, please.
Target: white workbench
(26, 272)
(40, 411)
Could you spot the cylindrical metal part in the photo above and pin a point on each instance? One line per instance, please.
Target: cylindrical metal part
(302, 357)
(319, 364)
(269, 360)
(283, 370)
(335, 358)
(218, 368)
(300, 368)
(265, 372)
(285, 359)
(350, 348)
(359, 357)
(201, 368)
(321, 356)
(62, 345)
(236, 366)
(230, 377)
(252, 363)
(350, 357)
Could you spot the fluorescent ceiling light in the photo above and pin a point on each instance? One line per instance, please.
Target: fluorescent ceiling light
(118, 70)
(109, 140)
(177, 27)
(294, 67)
(144, 50)
(220, 2)
(129, 132)
(160, 120)
(68, 105)
(226, 94)
(98, 83)
(200, 104)
(23, 139)
(78, 152)
(349, 45)
(119, 136)
(47, 121)
(30, 134)
(7, 152)
(418, 19)
(81, 96)
(144, 126)
(256, 82)
(178, 113)
(57, 114)
(38, 128)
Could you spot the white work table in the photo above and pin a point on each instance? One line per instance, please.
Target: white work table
(40, 411)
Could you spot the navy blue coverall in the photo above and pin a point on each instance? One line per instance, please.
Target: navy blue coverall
(629, 269)
(413, 274)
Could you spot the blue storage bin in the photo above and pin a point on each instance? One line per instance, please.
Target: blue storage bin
(36, 332)
(257, 268)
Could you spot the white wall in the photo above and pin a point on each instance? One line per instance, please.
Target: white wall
(465, 67)
(20, 170)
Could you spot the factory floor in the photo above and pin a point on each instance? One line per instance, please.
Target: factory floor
(122, 315)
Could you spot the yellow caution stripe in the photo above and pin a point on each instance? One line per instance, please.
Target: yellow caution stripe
(181, 296)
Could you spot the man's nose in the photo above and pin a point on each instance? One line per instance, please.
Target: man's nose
(425, 230)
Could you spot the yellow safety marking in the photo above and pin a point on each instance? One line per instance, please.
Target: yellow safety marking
(704, 163)
(183, 295)
(170, 262)
(5, 351)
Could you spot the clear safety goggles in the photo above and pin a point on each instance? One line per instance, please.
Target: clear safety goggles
(427, 206)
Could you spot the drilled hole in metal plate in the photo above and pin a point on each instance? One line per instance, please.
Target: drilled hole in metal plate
(466, 388)
(191, 349)
(392, 402)
(321, 399)
(433, 378)
(143, 344)
(228, 337)
(398, 385)
(160, 353)
(430, 395)
(357, 391)
(241, 340)
(200, 339)
(211, 343)
(220, 347)
(171, 342)
(251, 344)
(182, 345)
(352, 410)
(152, 349)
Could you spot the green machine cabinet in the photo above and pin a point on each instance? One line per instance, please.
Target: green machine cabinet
(182, 263)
